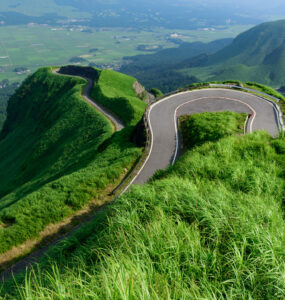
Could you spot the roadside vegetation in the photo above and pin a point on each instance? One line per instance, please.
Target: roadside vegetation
(57, 153)
(210, 127)
(251, 85)
(115, 91)
(210, 227)
(156, 92)
(256, 86)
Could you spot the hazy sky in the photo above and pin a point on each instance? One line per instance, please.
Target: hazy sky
(257, 4)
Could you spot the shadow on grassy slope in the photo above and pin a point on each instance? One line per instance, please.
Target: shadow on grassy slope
(115, 91)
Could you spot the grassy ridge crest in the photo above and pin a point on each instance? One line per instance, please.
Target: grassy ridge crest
(56, 154)
(116, 92)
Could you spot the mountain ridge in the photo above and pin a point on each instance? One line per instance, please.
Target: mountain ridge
(255, 55)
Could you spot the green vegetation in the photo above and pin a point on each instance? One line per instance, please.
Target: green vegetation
(159, 69)
(35, 46)
(200, 128)
(6, 91)
(210, 227)
(255, 55)
(265, 89)
(56, 154)
(156, 92)
(116, 92)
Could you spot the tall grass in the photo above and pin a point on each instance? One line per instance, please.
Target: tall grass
(265, 89)
(200, 128)
(210, 227)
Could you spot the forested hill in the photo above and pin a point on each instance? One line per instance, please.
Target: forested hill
(254, 47)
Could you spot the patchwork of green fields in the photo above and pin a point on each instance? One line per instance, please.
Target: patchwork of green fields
(35, 46)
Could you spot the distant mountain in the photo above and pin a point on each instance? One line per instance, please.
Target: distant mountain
(256, 55)
(123, 13)
(256, 46)
(159, 69)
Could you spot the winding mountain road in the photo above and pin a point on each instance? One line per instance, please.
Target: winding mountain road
(117, 123)
(162, 119)
(163, 116)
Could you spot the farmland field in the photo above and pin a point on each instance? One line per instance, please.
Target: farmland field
(32, 46)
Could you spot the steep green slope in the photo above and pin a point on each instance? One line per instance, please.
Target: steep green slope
(255, 55)
(157, 70)
(116, 92)
(253, 46)
(210, 227)
(56, 154)
(6, 92)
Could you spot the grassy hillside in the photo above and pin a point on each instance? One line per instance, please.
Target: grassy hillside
(115, 91)
(253, 46)
(255, 55)
(6, 92)
(210, 227)
(56, 154)
(157, 70)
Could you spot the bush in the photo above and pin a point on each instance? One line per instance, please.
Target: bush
(156, 92)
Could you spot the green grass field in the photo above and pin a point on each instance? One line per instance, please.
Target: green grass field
(210, 227)
(36, 46)
(57, 153)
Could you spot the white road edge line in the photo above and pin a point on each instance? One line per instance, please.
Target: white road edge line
(118, 124)
(177, 142)
(276, 108)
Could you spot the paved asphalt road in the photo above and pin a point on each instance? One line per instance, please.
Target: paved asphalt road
(86, 96)
(86, 92)
(163, 120)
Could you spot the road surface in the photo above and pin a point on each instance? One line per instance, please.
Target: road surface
(163, 115)
(118, 124)
(162, 119)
